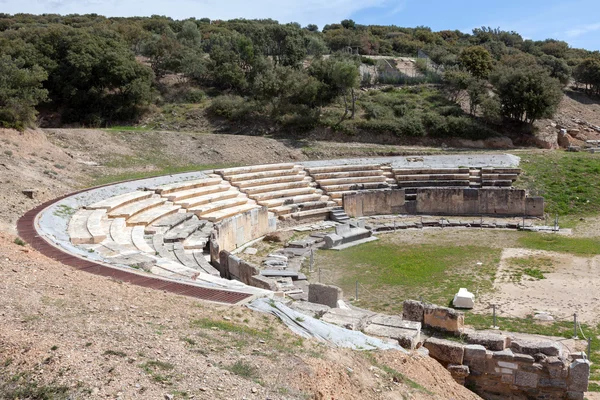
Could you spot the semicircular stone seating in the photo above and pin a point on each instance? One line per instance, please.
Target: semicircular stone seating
(170, 230)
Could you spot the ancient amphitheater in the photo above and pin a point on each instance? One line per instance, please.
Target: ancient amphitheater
(187, 234)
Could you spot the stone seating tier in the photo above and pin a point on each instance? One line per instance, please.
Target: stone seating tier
(433, 177)
(197, 192)
(121, 200)
(202, 210)
(254, 169)
(296, 177)
(217, 216)
(192, 202)
(95, 225)
(149, 216)
(306, 182)
(325, 183)
(77, 228)
(186, 185)
(347, 174)
(131, 209)
(265, 174)
(281, 201)
(343, 168)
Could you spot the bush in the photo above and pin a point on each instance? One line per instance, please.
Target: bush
(232, 107)
(367, 60)
(410, 125)
(376, 111)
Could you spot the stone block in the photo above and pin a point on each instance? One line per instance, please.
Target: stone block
(490, 341)
(459, 372)
(445, 351)
(443, 318)
(333, 240)
(526, 379)
(395, 322)
(312, 309)
(506, 355)
(579, 374)
(407, 338)
(263, 282)
(324, 294)
(575, 396)
(532, 347)
(464, 299)
(557, 367)
(346, 318)
(413, 310)
(473, 351)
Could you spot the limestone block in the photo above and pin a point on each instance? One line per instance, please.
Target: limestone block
(445, 351)
(412, 310)
(579, 374)
(347, 318)
(459, 372)
(464, 299)
(473, 351)
(395, 322)
(490, 341)
(332, 240)
(312, 309)
(324, 294)
(407, 338)
(526, 379)
(575, 396)
(443, 318)
(506, 355)
(532, 347)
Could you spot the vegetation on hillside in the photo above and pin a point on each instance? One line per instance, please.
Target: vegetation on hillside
(97, 71)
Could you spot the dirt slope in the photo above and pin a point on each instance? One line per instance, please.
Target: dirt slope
(92, 337)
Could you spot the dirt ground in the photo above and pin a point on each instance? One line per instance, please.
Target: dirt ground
(105, 339)
(572, 286)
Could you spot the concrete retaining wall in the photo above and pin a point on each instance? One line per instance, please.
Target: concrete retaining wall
(242, 228)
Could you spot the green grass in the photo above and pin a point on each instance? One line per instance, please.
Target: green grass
(23, 386)
(19, 242)
(164, 170)
(243, 369)
(158, 371)
(392, 273)
(568, 181)
(560, 243)
(532, 266)
(119, 128)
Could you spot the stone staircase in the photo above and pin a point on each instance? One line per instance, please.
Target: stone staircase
(285, 189)
(339, 215)
(338, 180)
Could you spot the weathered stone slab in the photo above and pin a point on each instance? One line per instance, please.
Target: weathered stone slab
(413, 310)
(312, 309)
(445, 351)
(347, 318)
(489, 340)
(407, 338)
(526, 379)
(464, 299)
(532, 347)
(395, 322)
(443, 318)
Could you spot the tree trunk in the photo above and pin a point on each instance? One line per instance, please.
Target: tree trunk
(346, 109)
(353, 103)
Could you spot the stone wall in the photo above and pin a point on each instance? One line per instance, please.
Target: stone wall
(242, 228)
(502, 366)
(374, 202)
(466, 201)
(233, 267)
(445, 201)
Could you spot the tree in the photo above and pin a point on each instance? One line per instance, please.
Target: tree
(190, 35)
(558, 68)
(312, 28)
(588, 73)
(526, 94)
(477, 60)
(346, 78)
(164, 52)
(348, 24)
(20, 92)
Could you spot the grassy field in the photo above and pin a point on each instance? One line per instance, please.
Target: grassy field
(561, 244)
(569, 182)
(388, 274)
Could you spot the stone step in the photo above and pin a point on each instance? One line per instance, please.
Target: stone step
(436, 177)
(200, 258)
(120, 200)
(186, 185)
(229, 212)
(95, 225)
(253, 169)
(77, 229)
(201, 210)
(161, 248)
(183, 231)
(311, 205)
(284, 193)
(419, 184)
(348, 174)
(357, 186)
(494, 170)
(196, 241)
(186, 259)
(172, 269)
(475, 172)
(153, 214)
(242, 185)
(177, 197)
(339, 195)
(496, 183)
(352, 180)
(310, 214)
(120, 233)
(168, 222)
(137, 207)
(306, 182)
(139, 241)
(297, 170)
(209, 198)
(282, 201)
(430, 171)
(343, 168)
(499, 177)
(391, 181)
(109, 248)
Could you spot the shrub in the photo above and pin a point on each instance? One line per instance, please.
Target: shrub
(367, 60)
(376, 111)
(232, 107)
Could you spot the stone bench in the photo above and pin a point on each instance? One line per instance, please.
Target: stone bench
(296, 207)
(355, 186)
(139, 240)
(352, 180)
(153, 214)
(186, 185)
(183, 230)
(297, 170)
(424, 184)
(167, 222)
(347, 174)
(253, 169)
(208, 198)
(306, 182)
(270, 181)
(285, 193)
(430, 171)
(433, 177)
(137, 207)
(95, 225)
(197, 192)
(496, 183)
(293, 200)
(118, 201)
(320, 213)
(77, 229)
(204, 209)
(499, 177)
(343, 168)
(121, 233)
(217, 216)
